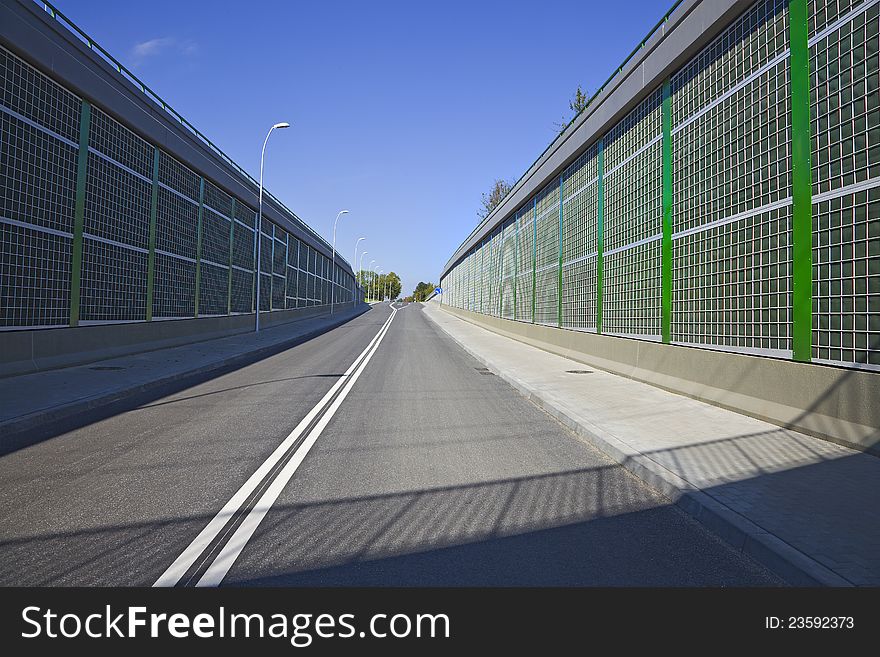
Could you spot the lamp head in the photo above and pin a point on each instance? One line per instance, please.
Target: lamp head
(283, 124)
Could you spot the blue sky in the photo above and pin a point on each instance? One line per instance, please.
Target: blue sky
(402, 112)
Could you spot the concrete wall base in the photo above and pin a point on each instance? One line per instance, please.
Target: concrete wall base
(26, 351)
(833, 403)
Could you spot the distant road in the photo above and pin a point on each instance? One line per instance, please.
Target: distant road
(379, 453)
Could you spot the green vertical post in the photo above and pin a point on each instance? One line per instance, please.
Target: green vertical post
(199, 243)
(151, 257)
(600, 236)
(82, 166)
(534, 253)
(501, 273)
(666, 243)
(515, 261)
(801, 185)
(286, 268)
(231, 247)
(559, 278)
(482, 273)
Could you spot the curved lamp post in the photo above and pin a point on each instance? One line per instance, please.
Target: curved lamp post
(259, 236)
(353, 262)
(333, 266)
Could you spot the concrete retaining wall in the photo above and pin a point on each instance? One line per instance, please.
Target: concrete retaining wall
(22, 352)
(840, 405)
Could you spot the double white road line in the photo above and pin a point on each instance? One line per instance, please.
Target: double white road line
(208, 558)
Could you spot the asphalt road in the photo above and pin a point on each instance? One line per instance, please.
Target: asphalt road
(418, 469)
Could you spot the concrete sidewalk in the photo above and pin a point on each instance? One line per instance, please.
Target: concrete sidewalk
(804, 507)
(30, 401)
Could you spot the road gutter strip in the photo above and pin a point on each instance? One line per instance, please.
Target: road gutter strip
(768, 549)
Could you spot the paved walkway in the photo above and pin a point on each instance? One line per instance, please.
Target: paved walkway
(31, 400)
(804, 507)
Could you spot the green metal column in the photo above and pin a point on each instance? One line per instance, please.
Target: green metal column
(482, 273)
(199, 243)
(231, 247)
(286, 260)
(801, 185)
(151, 257)
(666, 243)
(559, 277)
(82, 165)
(501, 273)
(534, 253)
(515, 261)
(600, 236)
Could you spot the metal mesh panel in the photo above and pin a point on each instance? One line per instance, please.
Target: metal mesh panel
(631, 291)
(508, 269)
(754, 39)
(312, 290)
(279, 257)
(302, 287)
(213, 288)
(633, 215)
(846, 278)
(242, 291)
(493, 272)
(580, 209)
(218, 200)
(266, 250)
(731, 284)
(114, 140)
(735, 157)
(279, 287)
(178, 177)
(34, 96)
(633, 177)
(176, 224)
(293, 249)
(547, 255)
(579, 293)
(265, 291)
(243, 247)
(525, 249)
(824, 13)
(174, 287)
(114, 283)
(215, 237)
(244, 214)
(34, 277)
(37, 176)
(845, 103)
(292, 286)
(117, 204)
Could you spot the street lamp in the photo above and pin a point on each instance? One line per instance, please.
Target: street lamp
(371, 269)
(259, 236)
(361, 269)
(353, 262)
(333, 266)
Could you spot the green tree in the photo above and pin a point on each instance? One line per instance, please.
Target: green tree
(577, 104)
(376, 286)
(490, 201)
(423, 291)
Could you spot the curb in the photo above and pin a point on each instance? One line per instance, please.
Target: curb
(65, 411)
(772, 552)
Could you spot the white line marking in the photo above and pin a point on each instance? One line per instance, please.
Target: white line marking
(189, 556)
(233, 548)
